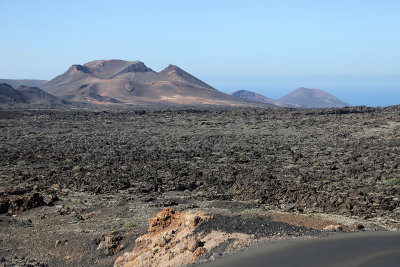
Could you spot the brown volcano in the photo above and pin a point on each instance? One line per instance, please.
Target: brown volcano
(312, 98)
(132, 82)
(251, 96)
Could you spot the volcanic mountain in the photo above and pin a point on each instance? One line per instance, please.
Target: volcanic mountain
(27, 95)
(15, 83)
(251, 96)
(312, 98)
(132, 82)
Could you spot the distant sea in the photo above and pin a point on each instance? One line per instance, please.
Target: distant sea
(372, 97)
(356, 91)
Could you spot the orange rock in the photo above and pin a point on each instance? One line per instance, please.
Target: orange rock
(199, 251)
(193, 244)
(173, 241)
(162, 220)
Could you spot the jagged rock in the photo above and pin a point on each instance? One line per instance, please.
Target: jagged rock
(193, 244)
(110, 244)
(199, 251)
(50, 199)
(4, 206)
(172, 240)
(358, 226)
(17, 203)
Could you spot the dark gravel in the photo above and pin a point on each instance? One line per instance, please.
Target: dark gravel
(259, 226)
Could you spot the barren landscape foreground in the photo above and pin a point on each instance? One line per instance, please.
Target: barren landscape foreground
(78, 186)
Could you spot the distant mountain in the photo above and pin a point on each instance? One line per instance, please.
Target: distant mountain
(299, 98)
(27, 95)
(9, 95)
(251, 96)
(16, 83)
(312, 98)
(132, 82)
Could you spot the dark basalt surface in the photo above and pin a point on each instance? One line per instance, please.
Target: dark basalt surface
(343, 161)
(259, 226)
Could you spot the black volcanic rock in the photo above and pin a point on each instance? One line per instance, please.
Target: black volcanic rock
(312, 98)
(79, 68)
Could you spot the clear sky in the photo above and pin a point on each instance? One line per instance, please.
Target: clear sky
(347, 48)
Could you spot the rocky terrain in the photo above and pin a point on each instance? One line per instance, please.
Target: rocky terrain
(178, 238)
(78, 186)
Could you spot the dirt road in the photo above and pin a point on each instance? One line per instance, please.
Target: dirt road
(355, 249)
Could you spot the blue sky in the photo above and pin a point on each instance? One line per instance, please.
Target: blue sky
(347, 48)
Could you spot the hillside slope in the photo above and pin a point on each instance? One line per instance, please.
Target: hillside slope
(132, 82)
(251, 96)
(27, 95)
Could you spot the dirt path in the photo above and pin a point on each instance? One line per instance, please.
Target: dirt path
(356, 249)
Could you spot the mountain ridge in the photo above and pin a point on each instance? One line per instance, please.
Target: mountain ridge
(26, 82)
(28, 95)
(132, 82)
(299, 98)
(252, 96)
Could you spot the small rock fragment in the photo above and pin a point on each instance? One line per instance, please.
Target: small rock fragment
(193, 244)
(335, 228)
(110, 244)
(359, 226)
(199, 251)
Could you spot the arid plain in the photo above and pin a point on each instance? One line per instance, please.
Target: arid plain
(79, 185)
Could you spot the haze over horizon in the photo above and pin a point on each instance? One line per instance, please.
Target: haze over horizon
(347, 48)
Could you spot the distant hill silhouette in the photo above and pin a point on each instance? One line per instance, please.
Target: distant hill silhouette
(132, 82)
(15, 83)
(251, 96)
(27, 95)
(312, 98)
(299, 98)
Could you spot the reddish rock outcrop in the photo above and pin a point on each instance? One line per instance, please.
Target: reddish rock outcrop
(172, 241)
